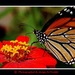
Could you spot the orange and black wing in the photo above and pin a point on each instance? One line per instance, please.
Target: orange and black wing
(61, 43)
(64, 18)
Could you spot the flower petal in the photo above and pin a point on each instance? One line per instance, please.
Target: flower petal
(23, 65)
(10, 65)
(23, 38)
(1, 52)
(2, 59)
(38, 53)
(48, 61)
(8, 43)
(1, 45)
(35, 64)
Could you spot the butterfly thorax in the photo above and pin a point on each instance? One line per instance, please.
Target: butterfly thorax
(41, 36)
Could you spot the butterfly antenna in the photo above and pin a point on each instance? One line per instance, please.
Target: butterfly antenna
(27, 25)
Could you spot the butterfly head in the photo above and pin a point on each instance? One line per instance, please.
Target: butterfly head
(41, 36)
(35, 31)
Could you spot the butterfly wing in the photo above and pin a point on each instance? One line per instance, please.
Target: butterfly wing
(61, 42)
(64, 18)
(60, 31)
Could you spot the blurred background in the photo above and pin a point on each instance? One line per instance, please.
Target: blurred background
(12, 17)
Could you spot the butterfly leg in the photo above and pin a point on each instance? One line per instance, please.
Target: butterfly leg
(33, 43)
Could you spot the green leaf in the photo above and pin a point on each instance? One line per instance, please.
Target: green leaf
(1, 64)
(73, 65)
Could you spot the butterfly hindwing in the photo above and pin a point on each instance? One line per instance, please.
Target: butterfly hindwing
(62, 45)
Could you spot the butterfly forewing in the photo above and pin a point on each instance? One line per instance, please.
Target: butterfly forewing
(61, 44)
(64, 18)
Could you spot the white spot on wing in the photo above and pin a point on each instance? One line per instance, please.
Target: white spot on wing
(74, 58)
(68, 10)
(62, 35)
(72, 62)
(74, 7)
(58, 28)
(51, 34)
(65, 35)
(69, 63)
(60, 14)
(65, 9)
(71, 12)
(68, 41)
(71, 59)
(70, 28)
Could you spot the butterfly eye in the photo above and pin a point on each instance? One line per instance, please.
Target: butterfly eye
(34, 31)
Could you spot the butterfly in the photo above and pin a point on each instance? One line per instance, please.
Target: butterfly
(58, 35)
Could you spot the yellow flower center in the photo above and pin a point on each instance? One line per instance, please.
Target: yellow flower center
(17, 52)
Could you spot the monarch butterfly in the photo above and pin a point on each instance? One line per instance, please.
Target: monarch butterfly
(58, 35)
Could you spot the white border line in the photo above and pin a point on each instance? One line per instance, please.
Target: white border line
(37, 68)
(37, 6)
